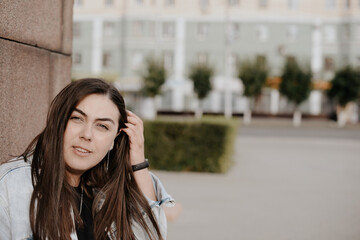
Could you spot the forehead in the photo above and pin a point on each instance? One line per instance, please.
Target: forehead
(99, 106)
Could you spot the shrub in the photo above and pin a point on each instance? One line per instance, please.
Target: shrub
(253, 75)
(296, 83)
(345, 86)
(201, 76)
(201, 146)
(153, 77)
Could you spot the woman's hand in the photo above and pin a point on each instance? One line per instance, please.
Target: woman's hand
(135, 131)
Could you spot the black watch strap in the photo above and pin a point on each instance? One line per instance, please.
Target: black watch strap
(140, 166)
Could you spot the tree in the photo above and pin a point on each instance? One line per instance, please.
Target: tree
(201, 75)
(153, 77)
(253, 76)
(295, 86)
(345, 88)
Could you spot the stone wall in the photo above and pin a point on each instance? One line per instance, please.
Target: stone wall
(35, 64)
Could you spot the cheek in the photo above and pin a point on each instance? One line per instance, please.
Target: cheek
(106, 142)
(66, 138)
(70, 131)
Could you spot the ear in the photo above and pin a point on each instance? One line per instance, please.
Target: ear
(118, 132)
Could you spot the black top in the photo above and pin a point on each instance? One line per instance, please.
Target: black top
(87, 232)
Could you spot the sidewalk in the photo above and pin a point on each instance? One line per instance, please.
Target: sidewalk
(284, 185)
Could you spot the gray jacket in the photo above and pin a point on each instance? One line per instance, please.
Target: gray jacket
(15, 193)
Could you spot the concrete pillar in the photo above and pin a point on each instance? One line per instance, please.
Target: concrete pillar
(316, 50)
(96, 59)
(179, 62)
(227, 87)
(274, 101)
(178, 81)
(215, 101)
(178, 98)
(315, 102)
(35, 64)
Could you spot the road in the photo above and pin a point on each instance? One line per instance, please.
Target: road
(286, 184)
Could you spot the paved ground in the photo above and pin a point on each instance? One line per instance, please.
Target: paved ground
(286, 184)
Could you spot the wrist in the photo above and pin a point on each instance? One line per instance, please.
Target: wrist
(140, 166)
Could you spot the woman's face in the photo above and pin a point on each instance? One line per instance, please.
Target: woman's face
(89, 135)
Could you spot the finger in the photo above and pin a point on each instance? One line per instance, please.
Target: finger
(136, 142)
(134, 120)
(131, 134)
(130, 129)
(131, 114)
(133, 131)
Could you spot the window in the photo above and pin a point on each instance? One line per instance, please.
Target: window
(232, 3)
(281, 50)
(262, 33)
(77, 59)
(109, 29)
(168, 30)
(330, 4)
(233, 31)
(202, 58)
(107, 59)
(329, 32)
(346, 32)
(76, 30)
(293, 4)
(347, 4)
(152, 29)
(168, 60)
(138, 29)
(78, 3)
(202, 30)
(169, 2)
(263, 3)
(204, 4)
(292, 32)
(329, 64)
(109, 3)
(233, 61)
(357, 32)
(261, 61)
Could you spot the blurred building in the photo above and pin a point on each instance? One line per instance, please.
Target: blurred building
(113, 37)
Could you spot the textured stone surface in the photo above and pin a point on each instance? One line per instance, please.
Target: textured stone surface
(67, 26)
(24, 74)
(60, 73)
(35, 64)
(34, 22)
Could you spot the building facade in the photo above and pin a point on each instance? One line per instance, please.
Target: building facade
(112, 38)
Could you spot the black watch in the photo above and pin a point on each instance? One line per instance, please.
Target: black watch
(137, 167)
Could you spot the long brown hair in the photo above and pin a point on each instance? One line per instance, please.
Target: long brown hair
(118, 201)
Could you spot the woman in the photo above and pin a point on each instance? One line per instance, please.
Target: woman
(84, 176)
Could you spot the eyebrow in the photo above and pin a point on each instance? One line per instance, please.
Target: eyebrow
(98, 119)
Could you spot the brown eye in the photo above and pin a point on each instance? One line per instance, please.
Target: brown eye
(75, 118)
(103, 126)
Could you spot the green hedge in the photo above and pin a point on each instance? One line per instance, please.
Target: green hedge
(202, 146)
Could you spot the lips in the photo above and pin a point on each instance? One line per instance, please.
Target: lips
(82, 150)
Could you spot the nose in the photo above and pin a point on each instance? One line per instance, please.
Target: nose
(86, 132)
